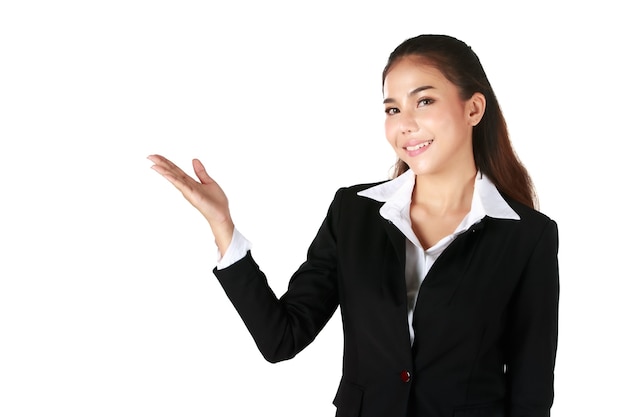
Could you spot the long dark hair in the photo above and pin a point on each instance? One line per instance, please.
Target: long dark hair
(493, 153)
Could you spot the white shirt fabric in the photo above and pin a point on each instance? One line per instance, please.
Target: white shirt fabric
(396, 195)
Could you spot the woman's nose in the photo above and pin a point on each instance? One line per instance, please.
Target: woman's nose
(408, 124)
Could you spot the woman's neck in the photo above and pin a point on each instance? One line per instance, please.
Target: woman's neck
(441, 195)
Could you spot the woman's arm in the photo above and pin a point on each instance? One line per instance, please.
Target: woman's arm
(533, 328)
(282, 327)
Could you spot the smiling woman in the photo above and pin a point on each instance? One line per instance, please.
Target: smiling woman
(446, 275)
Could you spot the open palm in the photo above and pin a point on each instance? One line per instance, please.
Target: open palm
(203, 193)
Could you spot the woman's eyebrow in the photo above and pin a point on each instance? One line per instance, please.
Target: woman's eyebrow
(411, 93)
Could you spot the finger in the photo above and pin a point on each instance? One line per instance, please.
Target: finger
(173, 173)
(158, 159)
(165, 167)
(201, 173)
(164, 162)
(177, 181)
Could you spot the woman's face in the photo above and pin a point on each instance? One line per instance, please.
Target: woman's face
(427, 123)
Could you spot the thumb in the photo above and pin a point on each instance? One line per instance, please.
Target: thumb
(201, 172)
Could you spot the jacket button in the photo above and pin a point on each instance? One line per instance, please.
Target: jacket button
(405, 376)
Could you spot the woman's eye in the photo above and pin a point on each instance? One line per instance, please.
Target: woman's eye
(424, 102)
(392, 110)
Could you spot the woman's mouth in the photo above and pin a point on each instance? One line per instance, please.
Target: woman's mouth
(419, 146)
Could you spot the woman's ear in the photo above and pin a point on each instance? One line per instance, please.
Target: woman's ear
(476, 108)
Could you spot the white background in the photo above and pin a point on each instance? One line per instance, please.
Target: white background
(108, 306)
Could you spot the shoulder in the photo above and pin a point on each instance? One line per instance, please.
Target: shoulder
(348, 205)
(350, 193)
(533, 224)
(356, 188)
(528, 214)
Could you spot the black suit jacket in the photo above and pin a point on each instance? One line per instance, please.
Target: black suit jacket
(485, 320)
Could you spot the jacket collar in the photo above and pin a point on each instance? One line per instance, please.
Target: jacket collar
(396, 196)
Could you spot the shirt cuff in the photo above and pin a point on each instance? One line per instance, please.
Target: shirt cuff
(237, 250)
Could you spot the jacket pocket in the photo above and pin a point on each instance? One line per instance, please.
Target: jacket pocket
(348, 399)
(481, 410)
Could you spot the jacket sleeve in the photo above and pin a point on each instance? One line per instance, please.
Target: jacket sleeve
(532, 340)
(282, 327)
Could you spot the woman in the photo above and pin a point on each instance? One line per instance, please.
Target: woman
(446, 275)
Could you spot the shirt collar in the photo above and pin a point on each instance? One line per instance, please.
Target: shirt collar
(396, 196)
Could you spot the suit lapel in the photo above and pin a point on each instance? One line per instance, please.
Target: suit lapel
(449, 270)
(394, 260)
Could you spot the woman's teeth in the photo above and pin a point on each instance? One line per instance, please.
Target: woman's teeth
(419, 146)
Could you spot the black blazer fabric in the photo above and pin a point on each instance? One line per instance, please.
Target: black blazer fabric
(485, 320)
